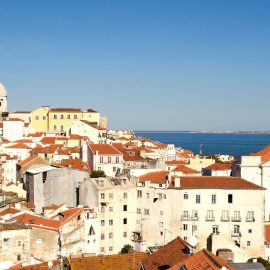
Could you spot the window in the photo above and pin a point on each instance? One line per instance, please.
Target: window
(185, 238)
(102, 236)
(198, 198)
(19, 257)
(139, 193)
(110, 235)
(114, 169)
(139, 211)
(125, 207)
(124, 234)
(147, 195)
(236, 216)
(102, 249)
(250, 216)
(99, 168)
(109, 160)
(146, 211)
(161, 233)
(102, 222)
(117, 159)
(225, 215)
(110, 248)
(62, 128)
(236, 229)
(102, 196)
(185, 227)
(249, 230)
(68, 116)
(18, 244)
(248, 243)
(55, 117)
(230, 198)
(125, 195)
(110, 209)
(194, 227)
(194, 214)
(160, 196)
(210, 215)
(102, 209)
(62, 116)
(215, 229)
(214, 198)
(75, 116)
(185, 196)
(55, 127)
(124, 220)
(161, 213)
(110, 222)
(100, 159)
(161, 224)
(44, 117)
(160, 185)
(185, 214)
(111, 195)
(37, 117)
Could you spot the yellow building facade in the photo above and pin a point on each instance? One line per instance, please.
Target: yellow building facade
(23, 115)
(47, 119)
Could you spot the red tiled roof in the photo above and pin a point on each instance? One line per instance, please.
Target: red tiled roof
(65, 110)
(75, 163)
(69, 214)
(27, 160)
(263, 153)
(184, 169)
(104, 149)
(20, 146)
(38, 266)
(128, 261)
(168, 255)
(48, 140)
(38, 221)
(219, 167)
(24, 141)
(91, 110)
(13, 119)
(215, 182)
(200, 261)
(154, 177)
(9, 210)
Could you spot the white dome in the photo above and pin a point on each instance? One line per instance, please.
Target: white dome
(3, 92)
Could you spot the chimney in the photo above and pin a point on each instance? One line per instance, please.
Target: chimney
(177, 182)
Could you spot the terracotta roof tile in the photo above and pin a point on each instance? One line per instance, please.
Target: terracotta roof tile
(65, 110)
(219, 167)
(159, 177)
(129, 261)
(27, 160)
(104, 149)
(215, 182)
(20, 146)
(176, 162)
(168, 255)
(184, 169)
(267, 233)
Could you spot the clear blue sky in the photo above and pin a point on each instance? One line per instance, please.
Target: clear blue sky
(146, 64)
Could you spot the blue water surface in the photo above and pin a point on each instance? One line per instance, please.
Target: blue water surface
(212, 143)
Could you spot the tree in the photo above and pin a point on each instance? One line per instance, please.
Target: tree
(127, 249)
(97, 174)
(264, 262)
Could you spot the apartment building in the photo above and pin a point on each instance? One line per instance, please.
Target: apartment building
(115, 199)
(46, 119)
(216, 210)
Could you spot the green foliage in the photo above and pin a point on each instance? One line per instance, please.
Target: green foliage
(127, 249)
(97, 174)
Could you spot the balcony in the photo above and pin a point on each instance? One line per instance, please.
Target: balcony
(185, 217)
(209, 218)
(235, 234)
(194, 218)
(236, 219)
(250, 219)
(225, 218)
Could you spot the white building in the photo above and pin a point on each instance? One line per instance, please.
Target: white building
(13, 129)
(116, 203)
(105, 157)
(3, 99)
(216, 210)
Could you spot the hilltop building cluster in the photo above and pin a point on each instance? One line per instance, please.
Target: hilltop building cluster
(75, 195)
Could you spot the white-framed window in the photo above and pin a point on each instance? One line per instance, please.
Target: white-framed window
(110, 222)
(102, 249)
(111, 195)
(110, 248)
(161, 213)
(198, 198)
(110, 209)
(124, 234)
(215, 229)
(110, 235)
(185, 227)
(146, 211)
(139, 211)
(125, 195)
(185, 196)
(102, 236)
(124, 220)
(214, 198)
(139, 193)
(248, 243)
(102, 222)
(62, 116)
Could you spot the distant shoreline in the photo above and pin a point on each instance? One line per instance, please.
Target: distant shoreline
(201, 132)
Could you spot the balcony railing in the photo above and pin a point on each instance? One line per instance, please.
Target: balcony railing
(235, 234)
(210, 218)
(225, 218)
(194, 218)
(236, 219)
(185, 217)
(250, 219)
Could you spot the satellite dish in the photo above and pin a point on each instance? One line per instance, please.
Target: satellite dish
(50, 264)
(193, 240)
